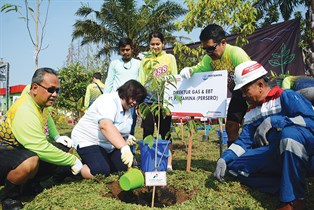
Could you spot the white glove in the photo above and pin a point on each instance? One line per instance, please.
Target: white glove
(261, 131)
(66, 141)
(220, 170)
(126, 155)
(77, 167)
(131, 140)
(185, 72)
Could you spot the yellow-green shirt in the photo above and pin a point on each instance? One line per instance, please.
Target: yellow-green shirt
(231, 57)
(92, 93)
(163, 64)
(25, 125)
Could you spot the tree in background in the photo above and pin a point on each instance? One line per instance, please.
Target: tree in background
(238, 16)
(122, 18)
(81, 64)
(270, 10)
(40, 24)
(73, 81)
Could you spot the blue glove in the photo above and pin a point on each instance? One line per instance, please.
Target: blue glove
(261, 131)
(220, 170)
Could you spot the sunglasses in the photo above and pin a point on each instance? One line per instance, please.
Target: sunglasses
(210, 49)
(50, 89)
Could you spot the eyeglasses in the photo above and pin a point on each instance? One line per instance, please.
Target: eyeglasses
(210, 49)
(50, 89)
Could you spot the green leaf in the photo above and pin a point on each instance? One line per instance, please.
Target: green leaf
(274, 63)
(150, 140)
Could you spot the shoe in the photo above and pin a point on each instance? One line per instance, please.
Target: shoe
(32, 188)
(62, 173)
(11, 204)
(294, 205)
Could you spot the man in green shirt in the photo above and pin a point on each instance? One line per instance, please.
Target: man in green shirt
(25, 153)
(222, 56)
(93, 90)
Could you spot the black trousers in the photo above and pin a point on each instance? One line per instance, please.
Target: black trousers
(148, 125)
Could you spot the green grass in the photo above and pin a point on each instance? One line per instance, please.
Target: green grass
(210, 194)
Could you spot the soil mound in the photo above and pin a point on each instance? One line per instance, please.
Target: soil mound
(165, 196)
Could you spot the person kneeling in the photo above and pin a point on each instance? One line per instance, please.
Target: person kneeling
(273, 151)
(102, 136)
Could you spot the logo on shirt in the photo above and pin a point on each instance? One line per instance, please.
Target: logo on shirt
(160, 70)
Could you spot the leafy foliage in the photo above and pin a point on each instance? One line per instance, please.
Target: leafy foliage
(121, 18)
(239, 16)
(156, 86)
(187, 56)
(269, 10)
(74, 80)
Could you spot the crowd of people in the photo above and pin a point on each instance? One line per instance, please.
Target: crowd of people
(273, 152)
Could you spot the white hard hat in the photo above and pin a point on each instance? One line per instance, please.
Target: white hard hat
(247, 72)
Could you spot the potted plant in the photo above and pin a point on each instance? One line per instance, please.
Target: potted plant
(156, 85)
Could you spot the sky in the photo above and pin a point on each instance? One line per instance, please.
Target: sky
(16, 47)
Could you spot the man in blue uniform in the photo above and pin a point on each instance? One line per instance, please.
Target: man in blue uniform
(274, 150)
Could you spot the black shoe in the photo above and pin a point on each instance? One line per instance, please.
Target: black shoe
(62, 173)
(11, 204)
(32, 188)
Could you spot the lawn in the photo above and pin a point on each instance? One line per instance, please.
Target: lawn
(199, 185)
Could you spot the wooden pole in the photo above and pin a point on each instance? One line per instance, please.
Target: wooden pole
(153, 196)
(189, 158)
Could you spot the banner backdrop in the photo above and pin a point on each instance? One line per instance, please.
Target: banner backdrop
(275, 47)
(203, 95)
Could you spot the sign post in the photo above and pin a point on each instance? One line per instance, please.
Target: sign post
(203, 95)
(4, 77)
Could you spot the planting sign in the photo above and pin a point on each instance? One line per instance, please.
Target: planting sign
(204, 95)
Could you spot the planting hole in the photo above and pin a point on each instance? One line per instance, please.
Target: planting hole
(165, 196)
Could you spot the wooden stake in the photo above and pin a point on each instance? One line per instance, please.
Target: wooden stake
(189, 158)
(153, 196)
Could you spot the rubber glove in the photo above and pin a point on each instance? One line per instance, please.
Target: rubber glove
(66, 141)
(261, 131)
(220, 170)
(77, 167)
(185, 72)
(131, 140)
(126, 155)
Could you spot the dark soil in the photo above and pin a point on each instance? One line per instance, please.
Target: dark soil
(165, 196)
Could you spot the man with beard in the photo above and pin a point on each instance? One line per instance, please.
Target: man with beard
(123, 68)
(120, 71)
